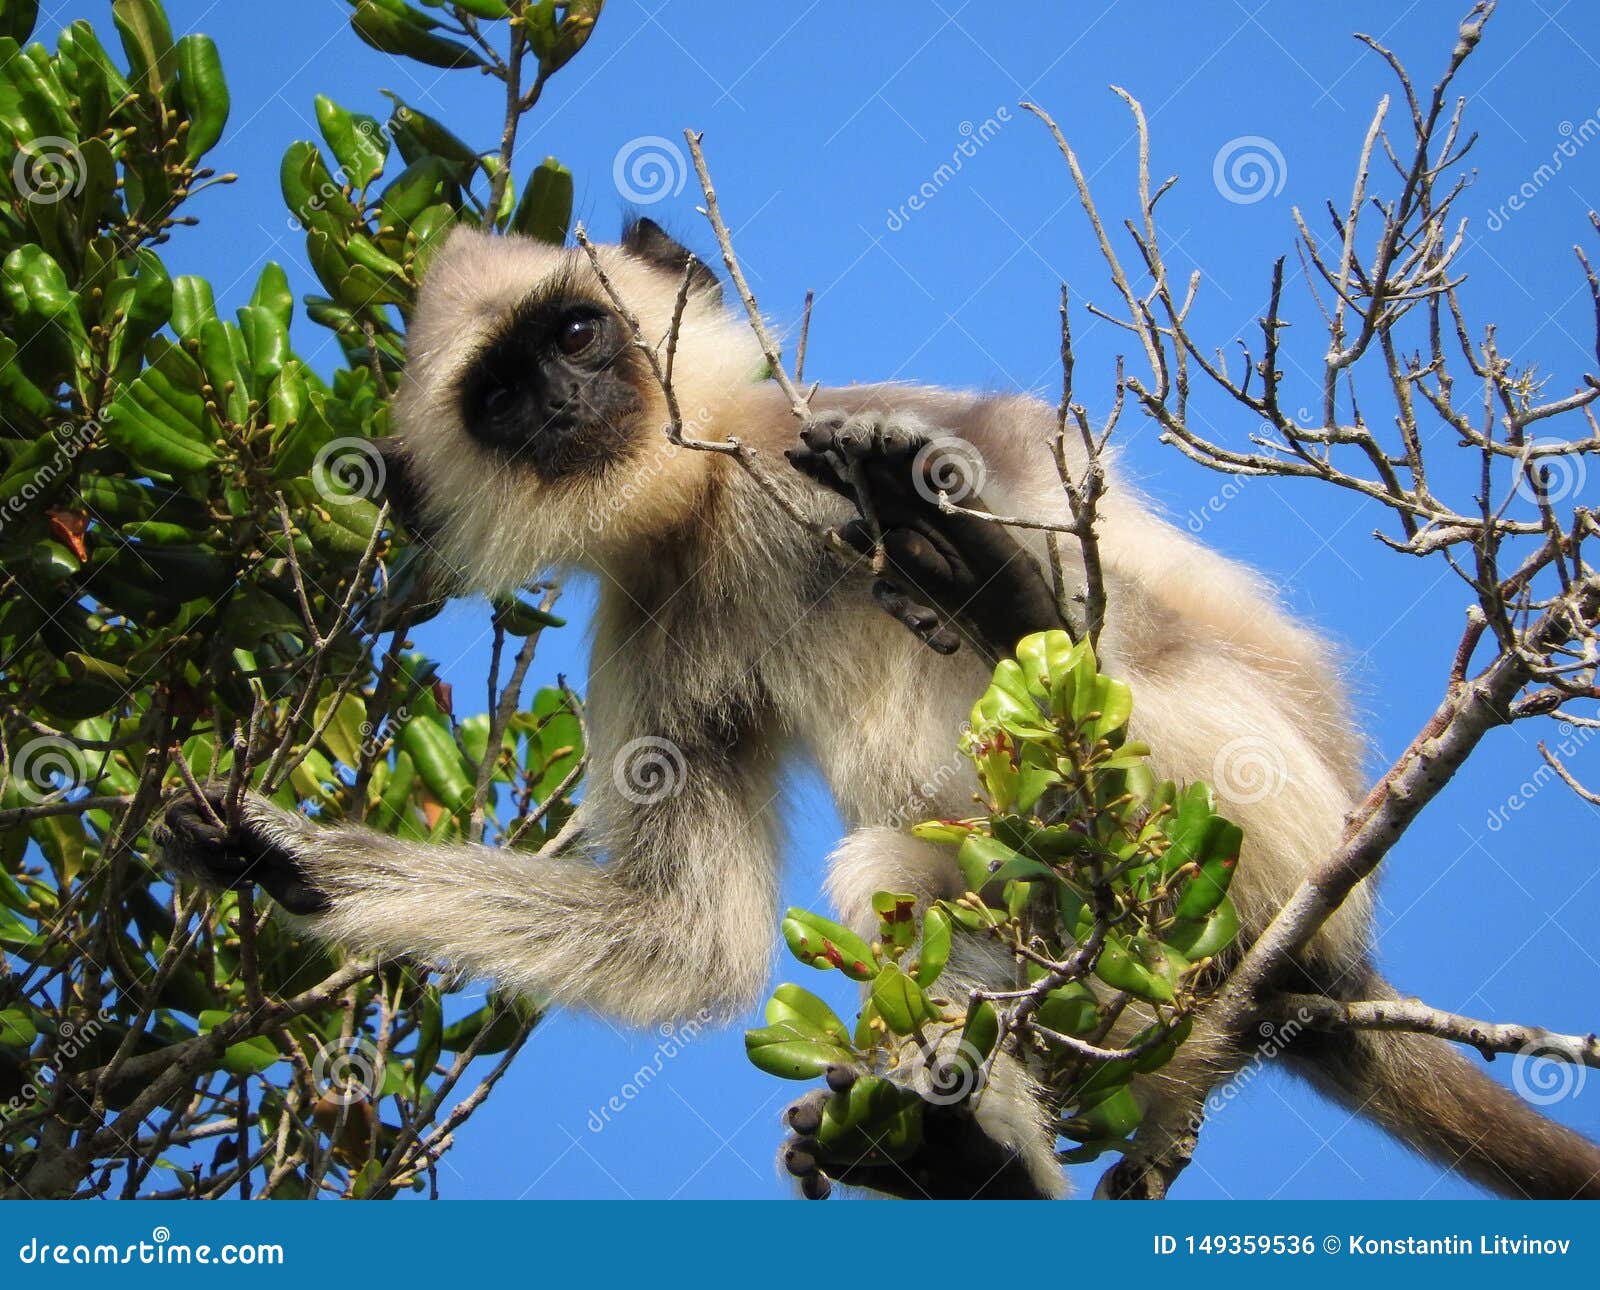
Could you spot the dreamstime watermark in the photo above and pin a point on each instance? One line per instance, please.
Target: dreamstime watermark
(1551, 478)
(1573, 738)
(1248, 770)
(641, 479)
(948, 466)
(340, 183)
(1573, 140)
(48, 169)
(973, 138)
(940, 1078)
(1275, 1037)
(648, 770)
(1548, 1071)
(1249, 169)
(346, 1072)
(46, 769)
(347, 468)
(71, 1040)
(675, 1037)
(649, 169)
(66, 451)
(1214, 505)
(914, 807)
(375, 738)
(160, 1250)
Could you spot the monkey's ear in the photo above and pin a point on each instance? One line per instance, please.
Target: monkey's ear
(646, 240)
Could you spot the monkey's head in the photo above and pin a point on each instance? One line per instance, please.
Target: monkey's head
(531, 427)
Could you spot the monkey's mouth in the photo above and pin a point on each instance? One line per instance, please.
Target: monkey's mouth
(580, 440)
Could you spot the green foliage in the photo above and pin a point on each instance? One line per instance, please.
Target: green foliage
(1106, 886)
(198, 578)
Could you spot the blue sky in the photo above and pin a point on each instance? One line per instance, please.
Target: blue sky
(821, 121)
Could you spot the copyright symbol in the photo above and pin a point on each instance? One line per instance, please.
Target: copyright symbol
(1330, 1244)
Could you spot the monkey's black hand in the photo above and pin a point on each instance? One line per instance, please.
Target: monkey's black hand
(942, 567)
(952, 1158)
(233, 857)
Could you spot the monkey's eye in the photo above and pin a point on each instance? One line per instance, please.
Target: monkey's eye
(577, 335)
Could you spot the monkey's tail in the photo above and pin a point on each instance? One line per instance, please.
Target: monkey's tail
(1432, 1097)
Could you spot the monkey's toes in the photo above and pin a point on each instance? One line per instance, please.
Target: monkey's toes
(197, 841)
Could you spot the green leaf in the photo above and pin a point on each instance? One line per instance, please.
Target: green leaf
(17, 18)
(159, 422)
(392, 35)
(1141, 967)
(147, 41)
(16, 1029)
(438, 759)
(897, 918)
(273, 295)
(934, 951)
(821, 943)
(545, 211)
(800, 1009)
(783, 1051)
(899, 1000)
(1108, 1116)
(1206, 937)
(984, 860)
(203, 92)
(358, 142)
(192, 306)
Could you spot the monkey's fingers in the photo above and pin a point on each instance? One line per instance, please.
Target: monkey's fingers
(824, 468)
(923, 622)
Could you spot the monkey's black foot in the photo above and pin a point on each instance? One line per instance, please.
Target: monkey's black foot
(941, 567)
(878, 1135)
(233, 857)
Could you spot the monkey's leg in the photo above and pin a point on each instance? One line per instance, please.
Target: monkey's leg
(988, 1139)
(679, 921)
(942, 568)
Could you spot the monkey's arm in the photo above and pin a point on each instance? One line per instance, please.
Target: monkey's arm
(679, 920)
(942, 568)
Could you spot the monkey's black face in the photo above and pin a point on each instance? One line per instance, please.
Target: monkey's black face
(557, 388)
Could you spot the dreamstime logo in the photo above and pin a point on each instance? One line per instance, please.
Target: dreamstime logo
(340, 182)
(71, 1040)
(949, 466)
(1573, 738)
(47, 768)
(944, 1081)
(1215, 504)
(1555, 477)
(1275, 1037)
(1249, 169)
(47, 169)
(79, 437)
(1573, 139)
(1248, 769)
(675, 1037)
(973, 137)
(649, 769)
(915, 806)
(346, 1072)
(374, 738)
(639, 480)
(1547, 1071)
(347, 468)
(649, 169)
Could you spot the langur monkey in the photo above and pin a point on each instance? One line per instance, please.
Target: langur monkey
(728, 638)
